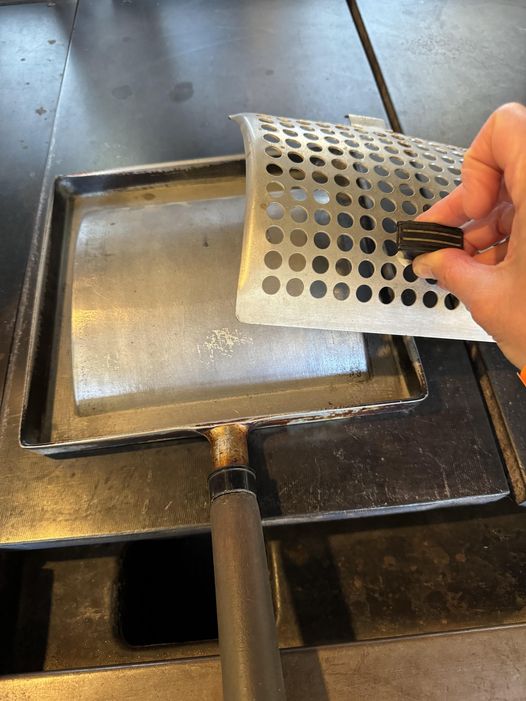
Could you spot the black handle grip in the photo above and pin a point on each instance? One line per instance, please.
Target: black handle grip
(414, 238)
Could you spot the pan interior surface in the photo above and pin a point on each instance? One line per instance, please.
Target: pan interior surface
(145, 343)
(153, 297)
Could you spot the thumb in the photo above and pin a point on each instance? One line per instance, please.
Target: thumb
(456, 271)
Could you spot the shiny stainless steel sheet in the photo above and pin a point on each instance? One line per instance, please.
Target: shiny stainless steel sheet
(319, 247)
(146, 342)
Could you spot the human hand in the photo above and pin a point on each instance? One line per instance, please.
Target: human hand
(490, 204)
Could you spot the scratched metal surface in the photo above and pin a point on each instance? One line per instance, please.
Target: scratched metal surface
(448, 64)
(480, 666)
(34, 41)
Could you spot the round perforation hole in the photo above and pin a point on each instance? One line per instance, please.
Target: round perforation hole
(345, 220)
(339, 164)
(381, 171)
(344, 242)
(389, 247)
(363, 183)
(271, 285)
(273, 260)
(363, 293)
(408, 297)
(367, 223)
(367, 244)
(273, 169)
(317, 161)
(406, 190)
(322, 240)
(322, 217)
(408, 207)
(332, 140)
(358, 155)
(422, 177)
(366, 269)
(409, 274)
(298, 193)
(335, 151)
(427, 193)
(441, 181)
(343, 199)
(451, 302)
(295, 157)
(389, 225)
(295, 287)
(360, 168)
(275, 210)
(290, 132)
(343, 266)
(293, 143)
(401, 173)
(274, 235)
(386, 295)
(297, 173)
(321, 196)
(388, 271)
(341, 180)
(320, 264)
(273, 152)
(271, 138)
(275, 189)
(396, 160)
(430, 299)
(341, 291)
(319, 177)
(387, 204)
(298, 237)
(385, 186)
(318, 289)
(376, 157)
(366, 202)
(298, 214)
(311, 136)
(314, 147)
(297, 262)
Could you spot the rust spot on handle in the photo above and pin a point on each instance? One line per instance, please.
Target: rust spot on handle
(228, 445)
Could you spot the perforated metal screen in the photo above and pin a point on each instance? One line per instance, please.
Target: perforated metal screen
(320, 224)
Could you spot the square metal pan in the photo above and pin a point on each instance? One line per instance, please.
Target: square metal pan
(134, 335)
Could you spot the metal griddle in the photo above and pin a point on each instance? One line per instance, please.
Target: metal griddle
(135, 339)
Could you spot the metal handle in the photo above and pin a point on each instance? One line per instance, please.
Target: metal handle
(250, 659)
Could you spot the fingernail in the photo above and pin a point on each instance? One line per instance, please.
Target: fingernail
(421, 269)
